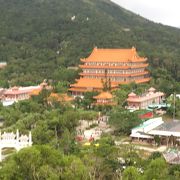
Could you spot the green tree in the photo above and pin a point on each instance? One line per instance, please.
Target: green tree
(174, 171)
(155, 155)
(88, 99)
(157, 169)
(131, 173)
(123, 120)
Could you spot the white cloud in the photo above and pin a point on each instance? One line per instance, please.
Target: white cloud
(164, 11)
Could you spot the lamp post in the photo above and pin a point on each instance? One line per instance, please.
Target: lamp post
(174, 107)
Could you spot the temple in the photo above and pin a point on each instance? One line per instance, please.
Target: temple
(121, 66)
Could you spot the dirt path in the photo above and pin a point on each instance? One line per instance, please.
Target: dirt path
(149, 149)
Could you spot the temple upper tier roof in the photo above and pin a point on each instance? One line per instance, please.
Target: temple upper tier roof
(114, 55)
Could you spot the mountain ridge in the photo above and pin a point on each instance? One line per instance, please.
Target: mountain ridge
(34, 31)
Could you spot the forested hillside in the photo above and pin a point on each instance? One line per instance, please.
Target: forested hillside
(37, 37)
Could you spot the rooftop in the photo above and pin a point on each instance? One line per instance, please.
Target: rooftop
(35, 92)
(60, 97)
(104, 95)
(170, 126)
(90, 83)
(149, 95)
(114, 55)
(16, 91)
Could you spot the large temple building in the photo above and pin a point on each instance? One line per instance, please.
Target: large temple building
(121, 66)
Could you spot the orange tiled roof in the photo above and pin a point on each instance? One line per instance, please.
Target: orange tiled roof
(146, 97)
(104, 95)
(114, 55)
(144, 80)
(90, 83)
(87, 84)
(60, 97)
(35, 92)
(78, 90)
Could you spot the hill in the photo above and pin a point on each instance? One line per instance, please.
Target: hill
(37, 37)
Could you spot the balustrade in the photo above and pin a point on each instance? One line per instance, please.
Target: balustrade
(12, 140)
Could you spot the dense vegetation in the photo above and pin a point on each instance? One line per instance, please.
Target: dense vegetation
(56, 154)
(38, 37)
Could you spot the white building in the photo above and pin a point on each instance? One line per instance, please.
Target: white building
(16, 141)
(168, 132)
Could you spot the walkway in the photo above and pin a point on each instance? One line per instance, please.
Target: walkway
(149, 149)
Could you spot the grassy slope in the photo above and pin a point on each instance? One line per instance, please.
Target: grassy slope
(32, 31)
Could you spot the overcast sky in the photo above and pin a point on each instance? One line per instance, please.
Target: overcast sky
(163, 11)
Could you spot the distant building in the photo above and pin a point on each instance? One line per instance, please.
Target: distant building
(104, 98)
(168, 132)
(15, 94)
(142, 102)
(63, 98)
(120, 66)
(36, 91)
(3, 64)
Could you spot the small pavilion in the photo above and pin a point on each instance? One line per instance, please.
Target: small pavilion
(104, 98)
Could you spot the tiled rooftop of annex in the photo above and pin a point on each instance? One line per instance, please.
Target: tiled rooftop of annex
(90, 83)
(104, 95)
